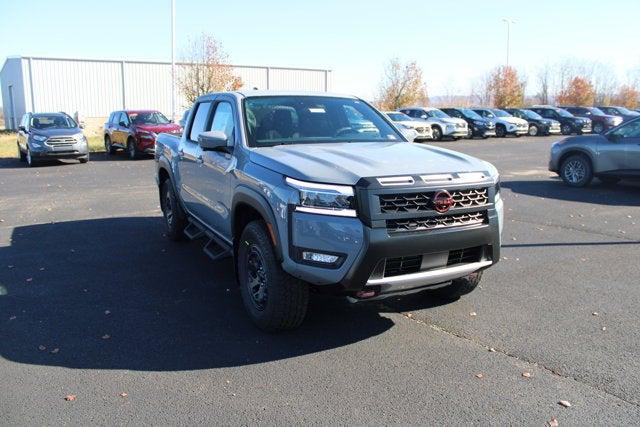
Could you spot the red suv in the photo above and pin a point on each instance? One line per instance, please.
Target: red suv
(135, 131)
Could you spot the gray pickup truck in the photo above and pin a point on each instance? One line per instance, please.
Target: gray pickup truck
(302, 200)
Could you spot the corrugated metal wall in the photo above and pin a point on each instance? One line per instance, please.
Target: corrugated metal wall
(94, 88)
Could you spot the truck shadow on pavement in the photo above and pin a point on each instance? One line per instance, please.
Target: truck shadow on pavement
(626, 193)
(116, 294)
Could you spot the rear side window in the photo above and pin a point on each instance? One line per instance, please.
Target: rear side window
(199, 120)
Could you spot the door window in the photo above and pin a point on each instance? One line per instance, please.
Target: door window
(630, 130)
(199, 120)
(223, 120)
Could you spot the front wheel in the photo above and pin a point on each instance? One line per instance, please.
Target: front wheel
(23, 156)
(598, 128)
(461, 286)
(132, 152)
(437, 133)
(576, 171)
(566, 129)
(274, 300)
(84, 159)
(501, 131)
(109, 148)
(533, 130)
(29, 159)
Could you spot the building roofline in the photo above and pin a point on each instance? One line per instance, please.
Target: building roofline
(135, 61)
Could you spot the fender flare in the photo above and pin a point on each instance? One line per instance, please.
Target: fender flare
(248, 196)
(575, 150)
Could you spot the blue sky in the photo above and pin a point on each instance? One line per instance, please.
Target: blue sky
(454, 41)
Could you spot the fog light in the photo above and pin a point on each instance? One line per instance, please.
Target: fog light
(318, 257)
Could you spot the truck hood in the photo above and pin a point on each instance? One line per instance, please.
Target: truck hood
(346, 163)
(56, 132)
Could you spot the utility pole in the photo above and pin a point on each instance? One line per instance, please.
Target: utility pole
(173, 60)
(508, 22)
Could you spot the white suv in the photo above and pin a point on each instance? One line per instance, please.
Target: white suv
(441, 124)
(506, 124)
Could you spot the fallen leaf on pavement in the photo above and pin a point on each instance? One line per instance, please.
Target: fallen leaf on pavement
(604, 328)
(595, 313)
(70, 397)
(55, 350)
(106, 336)
(29, 279)
(479, 375)
(41, 347)
(473, 313)
(12, 318)
(409, 315)
(526, 374)
(107, 312)
(123, 394)
(552, 422)
(492, 350)
(564, 403)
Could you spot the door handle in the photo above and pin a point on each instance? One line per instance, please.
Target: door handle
(199, 159)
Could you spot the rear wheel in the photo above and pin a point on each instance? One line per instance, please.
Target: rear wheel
(501, 131)
(174, 216)
(132, 152)
(566, 129)
(469, 132)
(274, 300)
(533, 130)
(576, 170)
(461, 286)
(23, 156)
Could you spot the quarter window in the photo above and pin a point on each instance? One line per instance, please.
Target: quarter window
(223, 120)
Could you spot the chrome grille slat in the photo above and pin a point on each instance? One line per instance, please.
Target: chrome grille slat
(431, 223)
(61, 140)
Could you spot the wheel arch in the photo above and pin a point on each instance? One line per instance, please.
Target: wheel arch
(248, 205)
(574, 151)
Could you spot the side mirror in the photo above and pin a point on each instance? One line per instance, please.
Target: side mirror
(22, 129)
(81, 125)
(212, 140)
(123, 124)
(614, 137)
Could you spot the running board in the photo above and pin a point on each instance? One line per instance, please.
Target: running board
(216, 249)
(193, 231)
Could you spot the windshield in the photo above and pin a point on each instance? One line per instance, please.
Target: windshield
(596, 111)
(470, 114)
(52, 121)
(438, 114)
(486, 113)
(501, 113)
(532, 115)
(627, 111)
(564, 113)
(399, 117)
(148, 118)
(275, 120)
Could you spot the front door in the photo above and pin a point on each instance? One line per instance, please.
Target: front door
(213, 176)
(622, 152)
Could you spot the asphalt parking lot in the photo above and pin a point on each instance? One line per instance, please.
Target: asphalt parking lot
(96, 303)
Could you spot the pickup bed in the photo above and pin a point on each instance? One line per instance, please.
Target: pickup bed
(303, 200)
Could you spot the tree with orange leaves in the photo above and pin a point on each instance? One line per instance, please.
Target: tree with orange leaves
(578, 92)
(627, 96)
(506, 88)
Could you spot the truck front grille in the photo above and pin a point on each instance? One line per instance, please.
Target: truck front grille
(444, 221)
(463, 256)
(402, 265)
(417, 202)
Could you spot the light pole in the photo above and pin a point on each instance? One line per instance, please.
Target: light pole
(508, 22)
(173, 60)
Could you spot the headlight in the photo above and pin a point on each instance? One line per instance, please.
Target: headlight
(80, 137)
(324, 199)
(147, 134)
(39, 138)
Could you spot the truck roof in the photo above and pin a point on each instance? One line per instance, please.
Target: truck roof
(254, 93)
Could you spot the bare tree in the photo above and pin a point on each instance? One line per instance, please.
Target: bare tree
(401, 86)
(206, 69)
(481, 93)
(544, 84)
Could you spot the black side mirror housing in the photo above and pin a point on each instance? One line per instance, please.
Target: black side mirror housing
(123, 124)
(22, 129)
(213, 140)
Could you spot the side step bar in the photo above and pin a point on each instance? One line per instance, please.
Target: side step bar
(215, 248)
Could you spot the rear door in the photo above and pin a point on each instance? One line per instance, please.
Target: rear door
(23, 135)
(191, 159)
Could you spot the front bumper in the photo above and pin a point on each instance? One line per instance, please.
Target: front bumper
(456, 132)
(483, 131)
(67, 151)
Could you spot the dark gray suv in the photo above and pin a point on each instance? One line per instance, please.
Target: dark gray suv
(51, 136)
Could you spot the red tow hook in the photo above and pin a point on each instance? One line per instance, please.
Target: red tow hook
(366, 294)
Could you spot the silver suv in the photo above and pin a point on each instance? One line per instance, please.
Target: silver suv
(610, 157)
(441, 123)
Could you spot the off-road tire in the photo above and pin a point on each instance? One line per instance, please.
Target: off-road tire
(177, 222)
(461, 286)
(287, 297)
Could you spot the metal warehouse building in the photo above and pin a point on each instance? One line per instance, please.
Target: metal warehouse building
(94, 88)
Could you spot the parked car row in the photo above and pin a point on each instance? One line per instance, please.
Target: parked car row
(545, 120)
